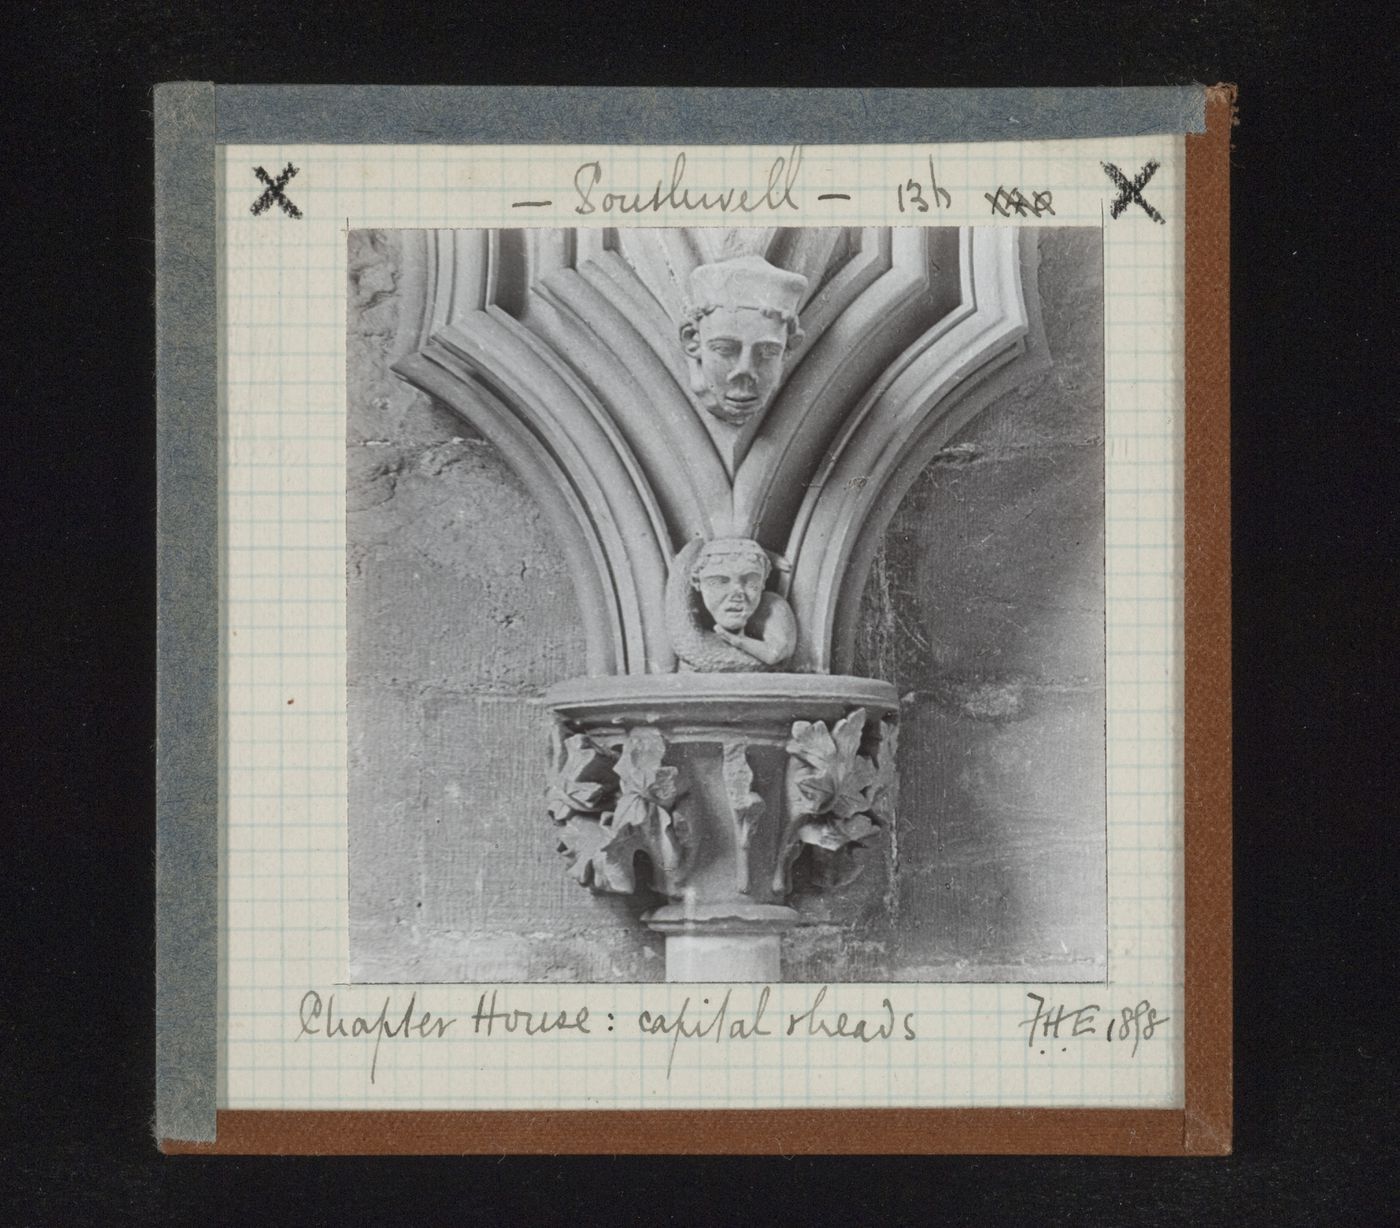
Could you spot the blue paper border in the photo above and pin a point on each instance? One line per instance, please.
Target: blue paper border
(187, 614)
(191, 118)
(594, 115)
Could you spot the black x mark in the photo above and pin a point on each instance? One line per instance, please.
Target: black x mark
(273, 192)
(1131, 192)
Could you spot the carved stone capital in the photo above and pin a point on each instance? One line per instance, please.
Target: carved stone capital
(704, 789)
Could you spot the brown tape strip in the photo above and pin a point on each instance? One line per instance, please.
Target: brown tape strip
(1209, 996)
(699, 1132)
(1204, 1126)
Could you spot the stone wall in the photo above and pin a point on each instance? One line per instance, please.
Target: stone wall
(985, 608)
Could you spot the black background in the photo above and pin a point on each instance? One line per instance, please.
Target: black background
(1315, 615)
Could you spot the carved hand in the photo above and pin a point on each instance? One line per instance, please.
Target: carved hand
(757, 649)
(779, 633)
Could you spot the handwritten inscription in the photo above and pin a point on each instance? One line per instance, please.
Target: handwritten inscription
(716, 1023)
(487, 1020)
(706, 1023)
(718, 1020)
(597, 191)
(1011, 202)
(1053, 1022)
(909, 195)
(319, 1018)
(1050, 1026)
(776, 195)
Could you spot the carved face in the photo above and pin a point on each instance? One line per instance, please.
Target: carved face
(736, 361)
(731, 586)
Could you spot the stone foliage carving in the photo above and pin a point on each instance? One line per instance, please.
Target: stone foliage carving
(838, 798)
(719, 615)
(612, 803)
(584, 781)
(734, 802)
(746, 806)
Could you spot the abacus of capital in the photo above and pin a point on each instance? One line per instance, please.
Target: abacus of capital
(719, 425)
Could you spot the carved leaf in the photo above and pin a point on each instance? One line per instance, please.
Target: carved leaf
(820, 834)
(884, 795)
(602, 852)
(836, 833)
(811, 742)
(855, 829)
(838, 778)
(583, 778)
(576, 797)
(746, 805)
(832, 792)
(846, 734)
(601, 857)
(657, 839)
(640, 771)
(581, 841)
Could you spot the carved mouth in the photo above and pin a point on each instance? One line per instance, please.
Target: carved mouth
(737, 410)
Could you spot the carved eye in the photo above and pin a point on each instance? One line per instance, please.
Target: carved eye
(725, 349)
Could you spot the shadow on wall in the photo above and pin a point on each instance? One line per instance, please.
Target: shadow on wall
(985, 608)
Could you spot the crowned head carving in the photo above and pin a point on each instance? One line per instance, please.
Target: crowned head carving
(739, 329)
(720, 615)
(730, 573)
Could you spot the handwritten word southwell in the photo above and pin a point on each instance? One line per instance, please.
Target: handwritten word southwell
(675, 194)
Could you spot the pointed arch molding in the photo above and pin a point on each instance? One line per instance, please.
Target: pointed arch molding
(561, 348)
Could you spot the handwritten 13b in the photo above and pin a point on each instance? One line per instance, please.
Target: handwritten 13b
(1004, 202)
(1053, 1023)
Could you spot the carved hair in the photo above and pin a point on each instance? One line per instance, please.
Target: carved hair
(693, 315)
(728, 548)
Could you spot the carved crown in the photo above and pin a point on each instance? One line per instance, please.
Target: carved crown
(747, 282)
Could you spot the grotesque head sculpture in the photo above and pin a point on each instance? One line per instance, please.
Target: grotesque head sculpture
(741, 323)
(729, 573)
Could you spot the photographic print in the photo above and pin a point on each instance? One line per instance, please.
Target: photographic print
(726, 604)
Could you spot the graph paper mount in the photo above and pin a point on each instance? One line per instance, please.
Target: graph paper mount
(191, 118)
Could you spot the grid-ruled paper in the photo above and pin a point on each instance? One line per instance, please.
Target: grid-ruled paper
(283, 885)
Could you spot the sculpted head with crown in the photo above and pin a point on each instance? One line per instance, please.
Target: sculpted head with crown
(739, 329)
(729, 573)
